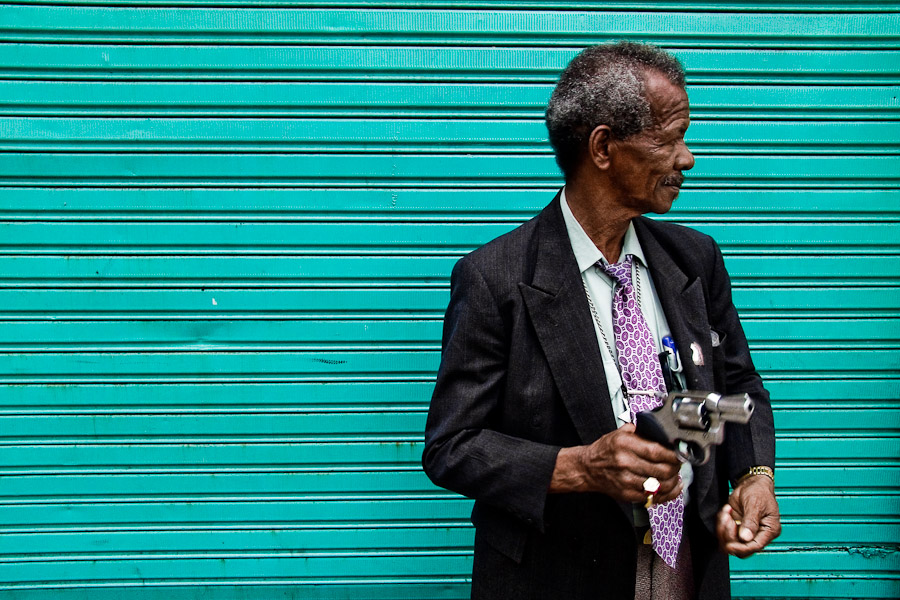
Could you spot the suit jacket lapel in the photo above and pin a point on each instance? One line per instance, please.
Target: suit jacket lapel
(561, 318)
(684, 305)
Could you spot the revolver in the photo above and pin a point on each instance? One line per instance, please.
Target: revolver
(690, 422)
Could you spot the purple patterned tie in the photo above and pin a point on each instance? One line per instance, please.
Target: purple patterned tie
(641, 372)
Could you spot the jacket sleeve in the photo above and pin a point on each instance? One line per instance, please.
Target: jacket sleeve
(465, 448)
(745, 445)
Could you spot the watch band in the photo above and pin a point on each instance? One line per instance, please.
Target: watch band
(759, 470)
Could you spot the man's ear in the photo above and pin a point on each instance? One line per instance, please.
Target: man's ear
(599, 146)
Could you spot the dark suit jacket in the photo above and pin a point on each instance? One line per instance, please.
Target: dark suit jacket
(521, 377)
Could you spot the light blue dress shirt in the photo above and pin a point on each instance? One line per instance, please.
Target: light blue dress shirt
(601, 287)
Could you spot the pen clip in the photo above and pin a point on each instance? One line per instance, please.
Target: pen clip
(671, 351)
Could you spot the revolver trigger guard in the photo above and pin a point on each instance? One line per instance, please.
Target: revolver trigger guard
(687, 452)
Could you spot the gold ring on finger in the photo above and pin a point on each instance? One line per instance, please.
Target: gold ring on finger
(651, 487)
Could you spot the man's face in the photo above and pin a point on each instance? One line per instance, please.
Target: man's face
(646, 168)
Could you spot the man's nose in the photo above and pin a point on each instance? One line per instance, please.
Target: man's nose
(685, 159)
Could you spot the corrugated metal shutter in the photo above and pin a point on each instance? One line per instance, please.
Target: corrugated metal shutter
(225, 237)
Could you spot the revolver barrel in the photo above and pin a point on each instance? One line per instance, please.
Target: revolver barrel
(737, 408)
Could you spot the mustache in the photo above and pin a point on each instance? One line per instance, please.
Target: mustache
(676, 179)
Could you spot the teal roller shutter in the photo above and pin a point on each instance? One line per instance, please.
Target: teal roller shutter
(226, 231)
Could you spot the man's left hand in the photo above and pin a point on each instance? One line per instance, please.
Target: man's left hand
(750, 520)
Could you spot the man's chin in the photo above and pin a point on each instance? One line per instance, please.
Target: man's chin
(664, 205)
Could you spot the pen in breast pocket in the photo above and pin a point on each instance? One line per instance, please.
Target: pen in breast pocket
(672, 352)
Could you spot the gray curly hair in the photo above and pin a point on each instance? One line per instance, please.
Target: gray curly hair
(604, 85)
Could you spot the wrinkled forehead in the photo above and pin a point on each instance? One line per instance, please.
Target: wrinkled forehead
(668, 101)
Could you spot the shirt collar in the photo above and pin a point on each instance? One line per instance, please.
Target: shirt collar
(586, 253)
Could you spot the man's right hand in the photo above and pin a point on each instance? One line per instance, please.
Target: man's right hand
(617, 465)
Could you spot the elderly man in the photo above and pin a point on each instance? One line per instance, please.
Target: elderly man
(556, 336)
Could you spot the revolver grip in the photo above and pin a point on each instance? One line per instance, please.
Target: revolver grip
(649, 428)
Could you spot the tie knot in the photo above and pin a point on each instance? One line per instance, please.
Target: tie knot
(620, 271)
